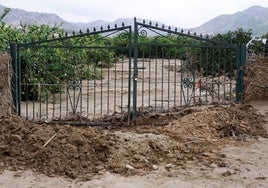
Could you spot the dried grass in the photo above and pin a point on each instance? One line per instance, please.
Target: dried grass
(256, 80)
(6, 104)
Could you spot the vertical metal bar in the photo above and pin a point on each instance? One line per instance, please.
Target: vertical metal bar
(60, 87)
(162, 77)
(46, 84)
(26, 83)
(213, 75)
(142, 90)
(74, 79)
(88, 85)
(230, 73)
(193, 67)
(115, 81)
(149, 81)
(175, 79)
(19, 80)
(168, 77)
(207, 74)
(67, 89)
(155, 79)
(80, 96)
(34, 98)
(201, 72)
(40, 89)
(192, 94)
(122, 84)
(88, 72)
(94, 89)
(187, 90)
(54, 84)
(224, 75)
(101, 96)
(135, 73)
(240, 62)
(219, 73)
(129, 73)
(108, 84)
(181, 84)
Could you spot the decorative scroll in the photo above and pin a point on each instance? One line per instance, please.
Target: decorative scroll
(74, 85)
(124, 36)
(74, 89)
(188, 82)
(142, 32)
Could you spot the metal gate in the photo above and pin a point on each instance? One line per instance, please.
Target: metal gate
(175, 69)
(159, 68)
(74, 76)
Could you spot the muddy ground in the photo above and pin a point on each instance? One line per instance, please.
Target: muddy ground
(188, 146)
(205, 146)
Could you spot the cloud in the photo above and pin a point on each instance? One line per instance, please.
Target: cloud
(180, 13)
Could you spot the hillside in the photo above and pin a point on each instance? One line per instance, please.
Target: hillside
(255, 18)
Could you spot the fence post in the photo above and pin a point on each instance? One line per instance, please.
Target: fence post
(240, 62)
(129, 73)
(135, 71)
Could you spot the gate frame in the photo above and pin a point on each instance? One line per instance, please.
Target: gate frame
(240, 62)
(240, 57)
(16, 64)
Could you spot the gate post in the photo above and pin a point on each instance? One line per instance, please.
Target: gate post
(240, 62)
(15, 85)
(135, 71)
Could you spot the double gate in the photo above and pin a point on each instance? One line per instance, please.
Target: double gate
(89, 75)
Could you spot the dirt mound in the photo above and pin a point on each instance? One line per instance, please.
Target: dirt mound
(5, 84)
(256, 80)
(81, 152)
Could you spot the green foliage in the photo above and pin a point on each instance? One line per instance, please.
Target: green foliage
(207, 57)
(92, 72)
(7, 34)
(256, 47)
(44, 64)
(52, 66)
(239, 36)
(220, 60)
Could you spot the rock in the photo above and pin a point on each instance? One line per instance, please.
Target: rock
(129, 167)
(261, 139)
(16, 138)
(213, 165)
(146, 161)
(226, 173)
(155, 167)
(170, 165)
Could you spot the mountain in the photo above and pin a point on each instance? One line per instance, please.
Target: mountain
(255, 18)
(16, 17)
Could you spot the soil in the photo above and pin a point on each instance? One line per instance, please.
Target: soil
(256, 80)
(205, 146)
(197, 145)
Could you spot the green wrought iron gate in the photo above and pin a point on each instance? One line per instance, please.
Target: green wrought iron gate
(156, 68)
(73, 76)
(175, 69)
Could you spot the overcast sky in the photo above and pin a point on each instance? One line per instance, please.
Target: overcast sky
(180, 13)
